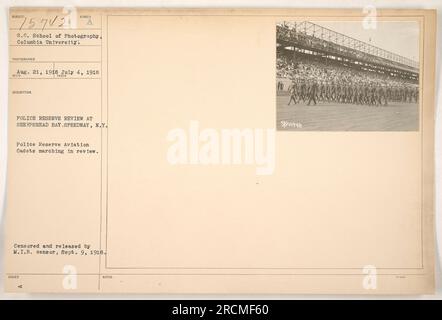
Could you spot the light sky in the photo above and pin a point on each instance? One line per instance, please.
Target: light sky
(400, 37)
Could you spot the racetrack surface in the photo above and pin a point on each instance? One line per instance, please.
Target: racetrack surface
(326, 116)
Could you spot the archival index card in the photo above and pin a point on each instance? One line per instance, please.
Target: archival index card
(220, 151)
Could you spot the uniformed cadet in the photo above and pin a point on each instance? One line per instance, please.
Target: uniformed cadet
(313, 91)
(293, 90)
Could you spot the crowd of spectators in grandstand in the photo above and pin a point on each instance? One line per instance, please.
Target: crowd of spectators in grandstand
(335, 82)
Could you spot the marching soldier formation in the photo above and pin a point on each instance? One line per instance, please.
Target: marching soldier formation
(376, 94)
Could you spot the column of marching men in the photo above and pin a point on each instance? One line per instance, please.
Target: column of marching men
(312, 91)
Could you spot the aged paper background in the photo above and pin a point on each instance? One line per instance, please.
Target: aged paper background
(285, 233)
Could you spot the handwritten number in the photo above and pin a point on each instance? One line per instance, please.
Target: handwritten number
(24, 21)
(31, 23)
(44, 24)
(62, 22)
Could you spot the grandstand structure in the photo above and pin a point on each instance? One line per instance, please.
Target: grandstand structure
(312, 41)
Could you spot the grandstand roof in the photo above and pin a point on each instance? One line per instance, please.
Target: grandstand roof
(320, 32)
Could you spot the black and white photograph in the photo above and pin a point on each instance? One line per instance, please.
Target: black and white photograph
(347, 76)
